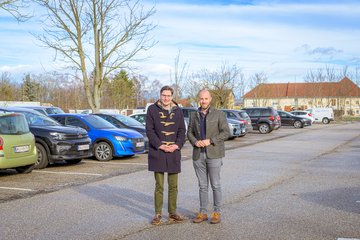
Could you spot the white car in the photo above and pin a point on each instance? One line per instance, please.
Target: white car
(324, 115)
(304, 114)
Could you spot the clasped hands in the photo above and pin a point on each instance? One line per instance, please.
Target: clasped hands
(203, 143)
(169, 148)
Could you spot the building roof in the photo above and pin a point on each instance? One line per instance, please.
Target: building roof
(343, 88)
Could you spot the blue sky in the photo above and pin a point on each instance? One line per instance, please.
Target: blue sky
(284, 39)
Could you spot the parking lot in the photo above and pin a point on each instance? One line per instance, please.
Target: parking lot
(58, 176)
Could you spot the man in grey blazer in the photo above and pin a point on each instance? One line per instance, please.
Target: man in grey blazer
(207, 131)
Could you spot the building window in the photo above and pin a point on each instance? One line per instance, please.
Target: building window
(319, 103)
(347, 102)
(310, 102)
(333, 102)
(357, 102)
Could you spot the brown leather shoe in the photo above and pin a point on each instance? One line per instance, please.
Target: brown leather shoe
(156, 220)
(200, 217)
(215, 218)
(176, 218)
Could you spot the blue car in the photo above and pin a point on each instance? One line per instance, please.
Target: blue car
(108, 141)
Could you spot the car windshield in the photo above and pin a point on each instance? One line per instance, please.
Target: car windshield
(13, 124)
(243, 114)
(97, 122)
(128, 121)
(39, 120)
(54, 110)
(302, 113)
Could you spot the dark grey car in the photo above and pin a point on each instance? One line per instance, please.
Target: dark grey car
(239, 115)
(264, 119)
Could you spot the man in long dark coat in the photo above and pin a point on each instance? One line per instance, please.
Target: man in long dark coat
(165, 129)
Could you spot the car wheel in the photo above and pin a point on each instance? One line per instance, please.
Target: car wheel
(298, 124)
(103, 151)
(73, 161)
(25, 169)
(264, 128)
(42, 158)
(325, 121)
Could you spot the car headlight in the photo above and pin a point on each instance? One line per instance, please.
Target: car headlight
(120, 138)
(57, 135)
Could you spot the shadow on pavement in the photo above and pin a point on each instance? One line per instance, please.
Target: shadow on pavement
(343, 199)
(135, 202)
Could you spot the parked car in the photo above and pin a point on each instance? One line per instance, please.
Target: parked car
(187, 112)
(288, 119)
(54, 142)
(140, 117)
(108, 140)
(264, 119)
(122, 121)
(324, 115)
(46, 110)
(239, 115)
(17, 143)
(304, 114)
(237, 128)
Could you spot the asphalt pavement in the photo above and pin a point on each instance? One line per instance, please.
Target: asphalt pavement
(303, 186)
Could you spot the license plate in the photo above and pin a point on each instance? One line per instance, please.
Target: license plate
(140, 144)
(21, 149)
(83, 147)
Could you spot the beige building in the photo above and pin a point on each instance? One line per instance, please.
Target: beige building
(342, 96)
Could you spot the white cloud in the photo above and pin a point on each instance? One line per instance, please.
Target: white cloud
(264, 37)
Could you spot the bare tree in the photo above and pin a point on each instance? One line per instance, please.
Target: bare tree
(320, 75)
(180, 74)
(325, 74)
(222, 83)
(139, 83)
(193, 84)
(7, 88)
(255, 80)
(97, 37)
(15, 8)
(151, 92)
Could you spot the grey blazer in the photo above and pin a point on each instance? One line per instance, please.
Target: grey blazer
(217, 130)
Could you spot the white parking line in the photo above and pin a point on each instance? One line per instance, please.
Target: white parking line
(348, 239)
(19, 189)
(69, 173)
(117, 163)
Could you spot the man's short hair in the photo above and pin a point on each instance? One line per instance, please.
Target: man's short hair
(204, 90)
(164, 88)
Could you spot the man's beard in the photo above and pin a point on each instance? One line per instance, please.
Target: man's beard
(205, 107)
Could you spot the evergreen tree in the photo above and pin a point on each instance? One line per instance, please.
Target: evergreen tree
(29, 89)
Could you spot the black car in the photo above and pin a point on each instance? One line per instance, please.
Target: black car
(122, 121)
(264, 119)
(288, 119)
(55, 142)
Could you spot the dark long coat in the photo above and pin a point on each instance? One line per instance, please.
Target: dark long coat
(164, 127)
